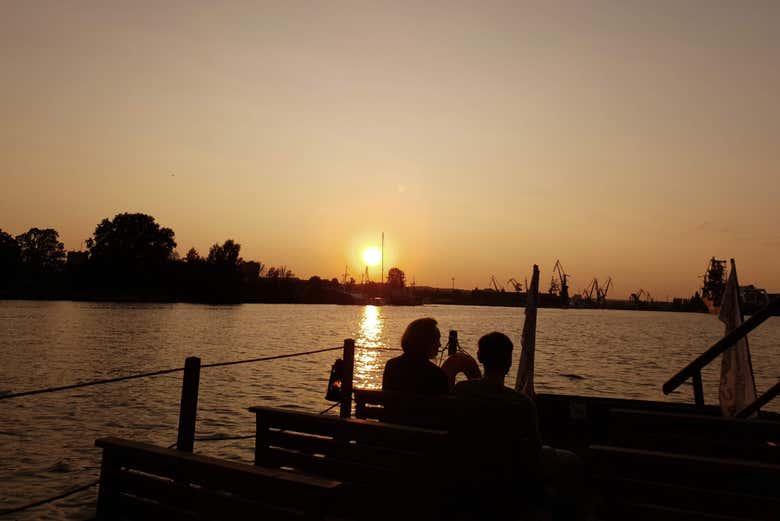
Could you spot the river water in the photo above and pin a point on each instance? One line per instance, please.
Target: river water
(47, 440)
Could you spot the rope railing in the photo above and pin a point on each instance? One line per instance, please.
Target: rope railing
(41, 502)
(81, 488)
(86, 486)
(169, 371)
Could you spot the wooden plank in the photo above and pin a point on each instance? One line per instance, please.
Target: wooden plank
(350, 429)
(695, 434)
(653, 512)
(141, 509)
(212, 472)
(738, 476)
(338, 449)
(689, 498)
(402, 408)
(198, 502)
(347, 471)
(108, 491)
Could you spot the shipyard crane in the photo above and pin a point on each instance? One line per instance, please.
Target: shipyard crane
(636, 298)
(592, 289)
(495, 283)
(560, 286)
(601, 300)
(518, 287)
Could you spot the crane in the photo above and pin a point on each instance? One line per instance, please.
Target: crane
(560, 286)
(518, 287)
(636, 298)
(601, 299)
(495, 284)
(592, 289)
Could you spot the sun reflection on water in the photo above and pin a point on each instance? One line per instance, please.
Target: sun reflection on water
(368, 363)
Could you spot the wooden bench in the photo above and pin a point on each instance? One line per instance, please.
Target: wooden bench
(385, 469)
(146, 482)
(643, 485)
(695, 434)
(393, 407)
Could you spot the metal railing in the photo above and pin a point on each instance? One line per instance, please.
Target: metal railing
(693, 369)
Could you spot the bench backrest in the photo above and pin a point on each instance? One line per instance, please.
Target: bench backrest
(142, 481)
(656, 484)
(395, 407)
(695, 434)
(354, 449)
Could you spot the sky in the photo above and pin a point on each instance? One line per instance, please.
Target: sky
(628, 139)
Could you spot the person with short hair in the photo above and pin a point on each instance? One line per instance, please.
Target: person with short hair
(504, 424)
(413, 372)
(503, 421)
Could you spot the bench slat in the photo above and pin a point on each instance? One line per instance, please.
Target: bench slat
(346, 451)
(166, 484)
(360, 430)
(210, 472)
(696, 434)
(199, 502)
(690, 498)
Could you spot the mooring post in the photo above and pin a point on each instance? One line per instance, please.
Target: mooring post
(452, 343)
(188, 408)
(346, 379)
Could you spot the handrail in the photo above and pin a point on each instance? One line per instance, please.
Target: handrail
(760, 401)
(695, 367)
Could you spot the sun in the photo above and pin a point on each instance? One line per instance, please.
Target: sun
(371, 256)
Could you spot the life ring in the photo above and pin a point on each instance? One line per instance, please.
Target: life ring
(461, 362)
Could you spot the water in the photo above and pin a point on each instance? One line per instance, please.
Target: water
(47, 441)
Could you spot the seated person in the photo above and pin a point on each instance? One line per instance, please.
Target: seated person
(504, 423)
(500, 426)
(413, 372)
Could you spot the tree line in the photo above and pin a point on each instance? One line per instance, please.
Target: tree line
(132, 257)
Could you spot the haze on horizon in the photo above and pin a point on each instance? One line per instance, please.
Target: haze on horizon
(628, 139)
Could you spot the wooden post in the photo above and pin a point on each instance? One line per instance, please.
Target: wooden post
(346, 381)
(189, 404)
(108, 491)
(452, 343)
(698, 389)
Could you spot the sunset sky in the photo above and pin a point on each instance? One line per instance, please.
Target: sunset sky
(628, 139)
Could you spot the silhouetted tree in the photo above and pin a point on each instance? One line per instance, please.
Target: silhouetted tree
(9, 256)
(396, 278)
(131, 241)
(41, 250)
(225, 255)
(251, 270)
(282, 272)
(193, 257)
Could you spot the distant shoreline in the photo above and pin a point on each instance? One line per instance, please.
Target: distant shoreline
(611, 305)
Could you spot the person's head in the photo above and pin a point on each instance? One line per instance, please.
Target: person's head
(495, 352)
(421, 338)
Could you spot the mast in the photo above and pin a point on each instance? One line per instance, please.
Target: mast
(382, 249)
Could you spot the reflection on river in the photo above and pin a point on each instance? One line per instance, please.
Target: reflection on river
(368, 363)
(46, 441)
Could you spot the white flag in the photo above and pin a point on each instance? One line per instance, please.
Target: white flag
(737, 387)
(525, 370)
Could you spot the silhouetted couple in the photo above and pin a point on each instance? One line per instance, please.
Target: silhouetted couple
(495, 429)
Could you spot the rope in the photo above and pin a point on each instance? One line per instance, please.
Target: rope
(93, 483)
(276, 357)
(157, 373)
(50, 499)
